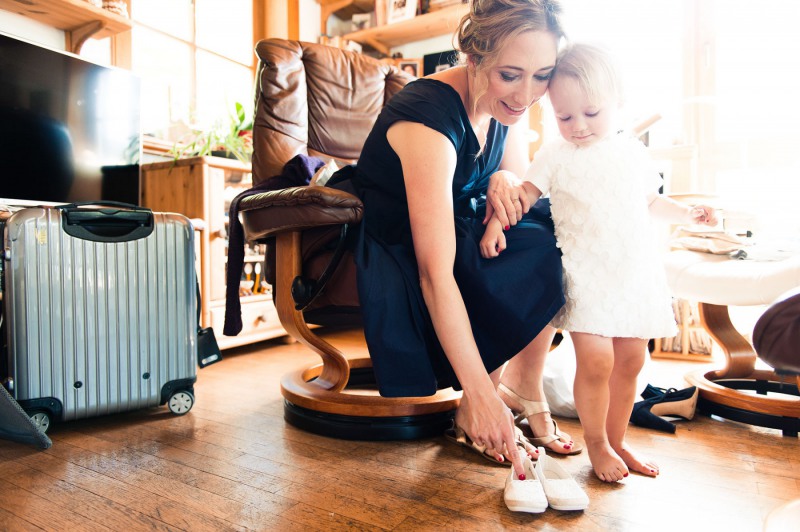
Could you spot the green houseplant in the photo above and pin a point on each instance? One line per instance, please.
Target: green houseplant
(233, 139)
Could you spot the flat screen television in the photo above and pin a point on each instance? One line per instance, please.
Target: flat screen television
(69, 128)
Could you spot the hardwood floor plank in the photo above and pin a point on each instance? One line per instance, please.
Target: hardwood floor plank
(9, 521)
(84, 503)
(42, 512)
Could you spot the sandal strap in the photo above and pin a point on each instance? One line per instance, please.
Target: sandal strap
(529, 408)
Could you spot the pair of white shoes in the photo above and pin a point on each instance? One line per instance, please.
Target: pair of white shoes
(546, 484)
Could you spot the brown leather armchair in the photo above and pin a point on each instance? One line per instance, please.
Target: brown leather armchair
(321, 101)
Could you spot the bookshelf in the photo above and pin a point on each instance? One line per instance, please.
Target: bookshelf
(384, 38)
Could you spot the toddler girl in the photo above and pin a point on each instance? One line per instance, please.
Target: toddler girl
(603, 188)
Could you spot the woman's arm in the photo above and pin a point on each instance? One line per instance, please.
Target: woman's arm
(429, 161)
(505, 185)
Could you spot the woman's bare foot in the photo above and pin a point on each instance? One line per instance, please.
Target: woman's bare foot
(543, 429)
(637, 463)
(607, 464)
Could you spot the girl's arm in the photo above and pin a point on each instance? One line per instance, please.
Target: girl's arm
(494, 241)
(670, 210)
(428, 181)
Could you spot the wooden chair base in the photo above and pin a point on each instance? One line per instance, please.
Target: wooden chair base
(358, 412)
(762, 399)
(739, 391)
(339, 397)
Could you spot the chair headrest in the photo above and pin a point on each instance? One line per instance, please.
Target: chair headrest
(317, 100)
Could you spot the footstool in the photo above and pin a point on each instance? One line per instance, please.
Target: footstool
(738, 391)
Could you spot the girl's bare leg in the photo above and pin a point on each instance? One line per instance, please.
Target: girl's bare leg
(595, 365)
(629, 356)
(523, 374)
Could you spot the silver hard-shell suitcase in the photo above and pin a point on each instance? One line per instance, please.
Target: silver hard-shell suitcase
(101, 310)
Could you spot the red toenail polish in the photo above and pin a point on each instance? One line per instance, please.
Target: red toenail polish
(625, 475)
(506, 228)
(522, 476)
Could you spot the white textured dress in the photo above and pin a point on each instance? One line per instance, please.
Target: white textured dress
(614, 283)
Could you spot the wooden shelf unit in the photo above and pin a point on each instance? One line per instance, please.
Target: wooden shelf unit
(384, 38)
(77, 18)
(689, 323)
(195, 187)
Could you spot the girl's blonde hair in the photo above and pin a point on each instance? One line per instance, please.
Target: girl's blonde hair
(593, 67)
(489, 24)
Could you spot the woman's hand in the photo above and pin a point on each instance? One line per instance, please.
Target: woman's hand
(506, 198)
(489, 422)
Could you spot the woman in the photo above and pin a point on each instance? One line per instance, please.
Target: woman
(435, 313)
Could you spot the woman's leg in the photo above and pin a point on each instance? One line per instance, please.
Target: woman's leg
(523, 375)
(595, 365)
(629, 356)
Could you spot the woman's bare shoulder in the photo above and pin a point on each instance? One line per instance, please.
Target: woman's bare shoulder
(456, 77)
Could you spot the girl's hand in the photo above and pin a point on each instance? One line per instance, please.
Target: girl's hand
(703, 214)
(493, 241)
(506, 199)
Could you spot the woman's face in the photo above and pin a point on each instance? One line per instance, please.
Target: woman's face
(519, 77)
(580, 121)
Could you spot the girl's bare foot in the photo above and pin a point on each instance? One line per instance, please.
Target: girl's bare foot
(637, 463)
(607, 464)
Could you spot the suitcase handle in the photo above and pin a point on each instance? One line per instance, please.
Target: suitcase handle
(113, 221)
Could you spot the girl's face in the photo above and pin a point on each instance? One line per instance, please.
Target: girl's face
(580, 121)
(519, 77)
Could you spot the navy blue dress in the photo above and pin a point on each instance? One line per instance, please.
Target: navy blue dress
(509, 299)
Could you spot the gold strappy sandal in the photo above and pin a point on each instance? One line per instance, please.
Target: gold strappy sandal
(457, 435)
(530, 408)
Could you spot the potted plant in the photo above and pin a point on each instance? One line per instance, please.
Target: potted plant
(233, 139)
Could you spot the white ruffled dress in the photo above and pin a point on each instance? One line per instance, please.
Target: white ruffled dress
(614, 282)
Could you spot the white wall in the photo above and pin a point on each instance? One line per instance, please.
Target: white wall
(30, 30)
(309, 20)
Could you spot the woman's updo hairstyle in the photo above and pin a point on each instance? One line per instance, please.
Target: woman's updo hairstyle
(490, 23)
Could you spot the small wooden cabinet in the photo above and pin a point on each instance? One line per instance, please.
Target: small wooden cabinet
(197, 187)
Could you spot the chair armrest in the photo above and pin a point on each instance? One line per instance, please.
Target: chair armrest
(295, 209)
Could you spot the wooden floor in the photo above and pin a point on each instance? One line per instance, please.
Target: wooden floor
(232, 463)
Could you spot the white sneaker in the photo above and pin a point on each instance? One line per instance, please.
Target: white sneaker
(562, 492)
(525, 495)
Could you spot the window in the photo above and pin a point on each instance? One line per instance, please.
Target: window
(721, 75)
(195, 58)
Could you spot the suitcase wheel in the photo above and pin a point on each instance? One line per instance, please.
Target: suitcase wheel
(180, 402)
(41, 419)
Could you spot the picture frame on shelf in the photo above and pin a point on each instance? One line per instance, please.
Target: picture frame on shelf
(400, 10)
(410, 66)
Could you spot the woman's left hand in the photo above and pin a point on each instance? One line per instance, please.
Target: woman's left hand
(506, 198)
